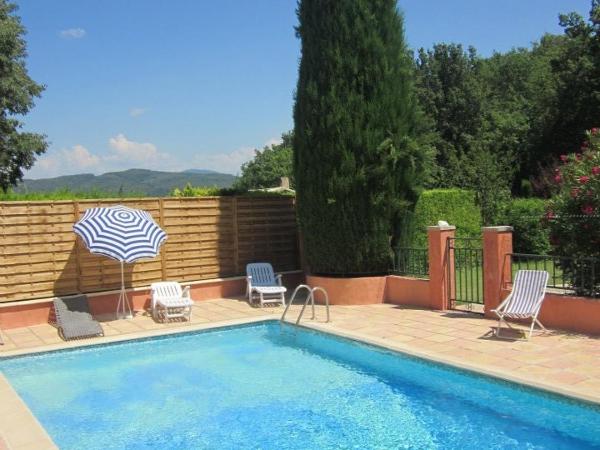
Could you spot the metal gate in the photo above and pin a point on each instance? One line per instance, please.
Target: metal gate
(465, 273)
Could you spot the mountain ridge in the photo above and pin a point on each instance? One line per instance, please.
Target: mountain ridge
(142, 181)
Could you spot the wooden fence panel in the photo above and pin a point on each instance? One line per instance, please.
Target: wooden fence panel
(208, 237)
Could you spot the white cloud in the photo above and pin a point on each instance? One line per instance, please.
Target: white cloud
(136, 112)
(225, 162)
(72, 33)
(122, 154)
(77, 159)
(125, 150)
(273, 141)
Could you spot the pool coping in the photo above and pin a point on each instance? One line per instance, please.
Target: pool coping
(13, 434)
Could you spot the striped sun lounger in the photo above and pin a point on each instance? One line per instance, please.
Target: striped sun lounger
(525, 300)
(74, 320)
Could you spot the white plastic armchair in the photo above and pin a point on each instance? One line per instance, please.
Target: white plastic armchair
(261, 282)
(170, 301)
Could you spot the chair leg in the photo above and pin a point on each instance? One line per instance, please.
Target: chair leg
(261, 299)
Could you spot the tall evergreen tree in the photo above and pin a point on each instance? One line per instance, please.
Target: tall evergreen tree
(357, 165)
(17, 90)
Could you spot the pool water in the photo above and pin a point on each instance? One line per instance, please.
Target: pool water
(272, 386)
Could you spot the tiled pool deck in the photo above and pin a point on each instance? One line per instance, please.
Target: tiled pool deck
(559, 361)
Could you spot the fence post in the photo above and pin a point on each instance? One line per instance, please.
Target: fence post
(77, 247)
(236, 239)
(163, 252)
(440, 265)
(497, 245)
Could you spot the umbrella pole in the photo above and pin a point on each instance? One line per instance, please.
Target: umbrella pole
(123, 300)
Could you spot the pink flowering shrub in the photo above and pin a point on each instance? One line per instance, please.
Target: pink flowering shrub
(573, 214)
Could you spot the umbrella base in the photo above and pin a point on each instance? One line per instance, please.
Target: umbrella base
(123, 306)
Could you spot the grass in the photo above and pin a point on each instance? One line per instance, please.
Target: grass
(65, 194)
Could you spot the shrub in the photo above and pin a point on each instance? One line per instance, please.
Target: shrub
(573, 212)
(456, 206)
(525, 216)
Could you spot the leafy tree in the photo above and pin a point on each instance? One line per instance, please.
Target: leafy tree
(357, 164)
(450, 95)
(268, 166)
(17, 90)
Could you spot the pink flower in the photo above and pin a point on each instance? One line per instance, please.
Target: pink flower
(588, 210)
(578, 156)
(594, 130)
(550, 215)
(584, 179)
(557, 178)
(564, 158)
(595, 170)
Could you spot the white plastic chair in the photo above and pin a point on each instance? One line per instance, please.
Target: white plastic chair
(525, 300)
(261, 280)
(170, 301)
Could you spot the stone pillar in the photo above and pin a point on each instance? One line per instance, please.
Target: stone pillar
(439, 262)
(497, 247)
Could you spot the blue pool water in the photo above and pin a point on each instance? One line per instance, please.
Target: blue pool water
(268, 386)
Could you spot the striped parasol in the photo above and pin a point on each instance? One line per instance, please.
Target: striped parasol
(121, 233)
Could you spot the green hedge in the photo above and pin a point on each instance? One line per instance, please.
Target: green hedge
(455, 206)
(525, 216)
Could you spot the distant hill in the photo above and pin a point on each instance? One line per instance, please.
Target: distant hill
(148, 182)
(202, 171)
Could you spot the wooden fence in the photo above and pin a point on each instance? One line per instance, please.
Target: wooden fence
(208, 237)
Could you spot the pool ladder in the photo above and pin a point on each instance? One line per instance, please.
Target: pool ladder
(310, 297)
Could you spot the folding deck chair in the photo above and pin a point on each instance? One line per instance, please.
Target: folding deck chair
(525, 300)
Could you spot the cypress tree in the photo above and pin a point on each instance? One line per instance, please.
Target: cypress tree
(356, 163)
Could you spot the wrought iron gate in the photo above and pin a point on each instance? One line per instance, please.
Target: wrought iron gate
(465, 273)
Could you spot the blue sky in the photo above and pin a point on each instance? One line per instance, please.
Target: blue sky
(180, 84)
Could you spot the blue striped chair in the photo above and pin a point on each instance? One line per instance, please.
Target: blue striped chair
(261, 280)
(525, 300)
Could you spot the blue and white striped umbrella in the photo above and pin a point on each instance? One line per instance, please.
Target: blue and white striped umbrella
(120, 233)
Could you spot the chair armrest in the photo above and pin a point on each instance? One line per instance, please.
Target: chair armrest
(186, 292)
(278, 278)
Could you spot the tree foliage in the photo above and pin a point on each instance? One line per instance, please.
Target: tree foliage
(499, 122)
(357, 165)
(574, 213)
(268, 166)
(17, 91)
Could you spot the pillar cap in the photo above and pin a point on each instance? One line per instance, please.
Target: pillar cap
(499, 229)
(441, 228)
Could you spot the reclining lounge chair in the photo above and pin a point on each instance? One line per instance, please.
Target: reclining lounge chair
(261, 280)
(170, 301)
(74, 320)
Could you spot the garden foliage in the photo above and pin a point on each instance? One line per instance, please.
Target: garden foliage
(573, 213)
(530, 235)
(268, 166)
(357, 165)
(455, 206)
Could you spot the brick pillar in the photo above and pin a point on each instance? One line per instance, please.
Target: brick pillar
(497, 245)
(438, 265)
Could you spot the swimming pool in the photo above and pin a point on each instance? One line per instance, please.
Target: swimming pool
(273, 386)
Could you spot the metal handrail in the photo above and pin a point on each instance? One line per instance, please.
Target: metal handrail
(310, 297)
